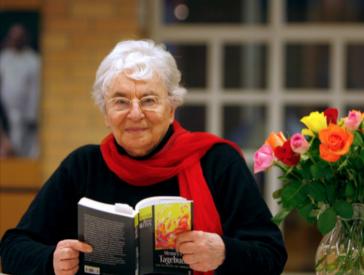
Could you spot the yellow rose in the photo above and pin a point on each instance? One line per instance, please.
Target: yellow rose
(315, 122)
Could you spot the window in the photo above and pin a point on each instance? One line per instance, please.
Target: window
(257, 66)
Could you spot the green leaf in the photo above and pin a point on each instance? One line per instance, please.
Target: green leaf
(357, 163)
(326, 221)
(321, 170)
(281, 215)
(316, 172)
(291, 195)
(329, 174)
(305, 172)
(316, 190)
(331, 193)
(343, 209)
(314, 149)
(358, 140)
(349, 190)
(361, 155)
(306, 213)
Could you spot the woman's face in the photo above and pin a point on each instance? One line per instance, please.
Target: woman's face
(138, 113)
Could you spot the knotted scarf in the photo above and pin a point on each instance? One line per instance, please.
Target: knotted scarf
(179, 157)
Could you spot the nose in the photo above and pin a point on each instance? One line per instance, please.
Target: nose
(135, 111)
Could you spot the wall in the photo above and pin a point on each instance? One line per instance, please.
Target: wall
(76, 35)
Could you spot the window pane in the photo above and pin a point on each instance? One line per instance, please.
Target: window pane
(354, 67)
(293, 115)
(191, 60)
(325, 11)
(358, 107)
(307, 66)
(245, 66)
(192, 117)
(245, 125)
(215, 11)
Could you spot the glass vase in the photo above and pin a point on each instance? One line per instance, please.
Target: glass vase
(341, 250)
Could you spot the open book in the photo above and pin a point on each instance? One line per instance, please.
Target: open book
(134, 241)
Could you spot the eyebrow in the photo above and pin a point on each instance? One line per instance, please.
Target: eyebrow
(118, 94)
(122, 94)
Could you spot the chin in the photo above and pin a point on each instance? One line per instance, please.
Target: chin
(137, 153)
(138, 150)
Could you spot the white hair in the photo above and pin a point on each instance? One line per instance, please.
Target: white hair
(139, 60)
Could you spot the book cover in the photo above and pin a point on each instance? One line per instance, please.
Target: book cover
(158, 227)
(112, 234)
(128, 241)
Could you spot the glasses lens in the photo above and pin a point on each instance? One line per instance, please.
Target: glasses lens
(149, 103)
(120, 103)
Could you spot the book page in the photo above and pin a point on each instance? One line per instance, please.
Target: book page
(158, 200)
(124, 208)
(117, 208)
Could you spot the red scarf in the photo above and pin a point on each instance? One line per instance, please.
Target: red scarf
(179, 157)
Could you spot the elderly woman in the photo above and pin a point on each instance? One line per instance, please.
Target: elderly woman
(149, 154)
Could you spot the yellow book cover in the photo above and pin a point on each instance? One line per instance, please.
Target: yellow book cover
(159, 224)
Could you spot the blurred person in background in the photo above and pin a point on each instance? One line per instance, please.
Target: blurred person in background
(19, 90)
(148, 153)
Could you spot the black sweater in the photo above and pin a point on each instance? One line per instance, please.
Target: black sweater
(253, 243)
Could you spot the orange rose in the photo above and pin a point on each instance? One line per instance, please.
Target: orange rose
(275, 139)
(335, 142)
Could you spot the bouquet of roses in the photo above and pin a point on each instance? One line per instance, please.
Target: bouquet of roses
(322, 167)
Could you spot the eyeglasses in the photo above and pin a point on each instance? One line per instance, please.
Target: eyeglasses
(146, 103)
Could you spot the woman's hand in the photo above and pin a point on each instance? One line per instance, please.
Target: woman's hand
(202, 251)
(66, 256)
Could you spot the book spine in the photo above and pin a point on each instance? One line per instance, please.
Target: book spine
(137, 248)
(146, 240)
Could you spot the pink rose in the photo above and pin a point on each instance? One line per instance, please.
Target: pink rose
(299, 144)
(263, 158)
(353, 120)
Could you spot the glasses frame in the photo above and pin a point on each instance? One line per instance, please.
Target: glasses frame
(155, 103)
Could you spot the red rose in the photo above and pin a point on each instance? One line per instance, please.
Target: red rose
(331, 115)
(286, 155)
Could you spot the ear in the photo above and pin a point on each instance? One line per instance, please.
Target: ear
(172, 113)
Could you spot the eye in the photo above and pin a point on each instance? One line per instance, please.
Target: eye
(149, 101)
(121, 103)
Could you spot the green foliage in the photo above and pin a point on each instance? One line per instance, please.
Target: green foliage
(343, 209)
(306, 212)
(327, 220)
(321, 190)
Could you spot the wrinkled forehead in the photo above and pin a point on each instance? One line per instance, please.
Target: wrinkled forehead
(124, 84)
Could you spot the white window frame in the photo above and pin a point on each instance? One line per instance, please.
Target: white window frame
(276, 34)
